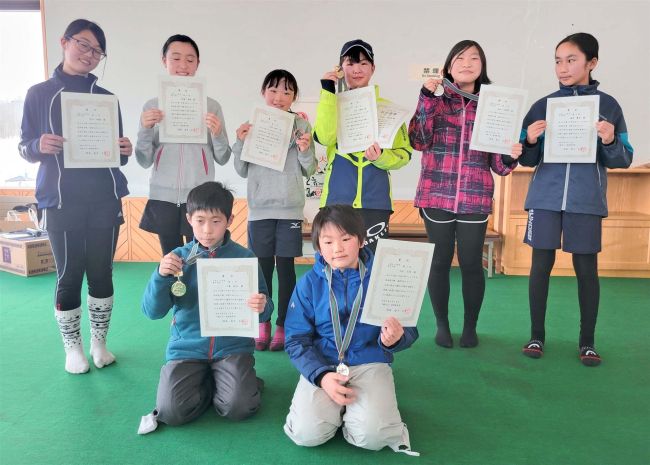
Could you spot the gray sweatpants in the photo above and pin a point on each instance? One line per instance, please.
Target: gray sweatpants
(187, 387)
(372, 421)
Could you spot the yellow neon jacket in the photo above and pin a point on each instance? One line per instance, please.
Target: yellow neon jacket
(350, 178)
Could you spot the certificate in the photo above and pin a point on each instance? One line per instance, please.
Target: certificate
(499, 116)
(268, 141)
(571, 135)
(390, 118)
(356, 128)
(224, 287)
(184, 104)
(398, 281)
(91, 130)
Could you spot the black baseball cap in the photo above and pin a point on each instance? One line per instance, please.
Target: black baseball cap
(365, 46)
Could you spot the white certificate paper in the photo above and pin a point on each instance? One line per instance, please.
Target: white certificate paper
(268, 141)
(91, 130)
(398, 281)
(499, 116)
(390, 118)
(571, 135)
(184, 104)
(224, 287)
(357, 126)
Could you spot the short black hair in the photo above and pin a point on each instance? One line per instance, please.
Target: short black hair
(79, 25)
(210, 196)
(587, 44)
(344, 217)
(180, 38)
(459, 48)
(274, 77)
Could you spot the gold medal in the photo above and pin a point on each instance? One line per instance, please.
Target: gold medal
(179, 288)
(339, 72)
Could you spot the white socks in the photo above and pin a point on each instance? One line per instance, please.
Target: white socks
(69, 321)
(99, 312)
(69, 325)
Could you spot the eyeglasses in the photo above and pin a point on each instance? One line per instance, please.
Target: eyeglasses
(84, 47)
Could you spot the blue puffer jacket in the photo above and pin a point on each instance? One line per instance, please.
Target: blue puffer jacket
(309, 333)
(575, 187)
(185, 341)
(56, 184)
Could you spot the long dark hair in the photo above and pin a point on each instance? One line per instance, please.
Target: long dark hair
(459, 48)
(78, 25)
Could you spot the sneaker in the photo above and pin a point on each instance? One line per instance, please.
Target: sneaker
(262, 342)
(589, 357)
(533, 349)
(277, 343)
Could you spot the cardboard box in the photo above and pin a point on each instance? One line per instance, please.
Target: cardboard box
(26, 256)
(8, 203)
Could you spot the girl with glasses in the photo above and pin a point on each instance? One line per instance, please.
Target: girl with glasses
(81, 209)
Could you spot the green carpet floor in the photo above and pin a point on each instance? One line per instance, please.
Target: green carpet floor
(483, 406)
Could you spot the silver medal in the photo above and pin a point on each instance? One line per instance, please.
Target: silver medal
(342, 369)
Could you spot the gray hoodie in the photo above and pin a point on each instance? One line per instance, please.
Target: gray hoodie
(178, 168)
(273, 194)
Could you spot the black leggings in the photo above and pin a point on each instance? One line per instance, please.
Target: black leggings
(446, 229)
(286, 282)
(169, 242)
(586, 268)
(79, 251)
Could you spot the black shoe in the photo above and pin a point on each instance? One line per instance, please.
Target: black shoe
(469, 338)
(533, 349)
(443, 337)
(589, 357)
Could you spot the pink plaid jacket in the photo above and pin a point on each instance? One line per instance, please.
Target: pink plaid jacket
(452, 177)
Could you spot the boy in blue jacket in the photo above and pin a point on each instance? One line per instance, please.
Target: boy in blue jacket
(346, 378)
(202, 370)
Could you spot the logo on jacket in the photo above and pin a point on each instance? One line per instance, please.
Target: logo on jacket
(375, 232)
(295, 225)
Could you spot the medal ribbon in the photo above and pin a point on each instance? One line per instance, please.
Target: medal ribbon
(195, 254)
(447, 83)
(342, 344)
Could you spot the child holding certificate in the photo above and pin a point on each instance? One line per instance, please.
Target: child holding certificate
(346, 377)
(362, 178)
(80, 208)
(202, 371)
(276, 199)
(455, 189)
(177, 167)
(567, 201)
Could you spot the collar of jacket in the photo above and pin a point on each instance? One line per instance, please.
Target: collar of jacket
(364, 254)
(74, 83)
(589, 89)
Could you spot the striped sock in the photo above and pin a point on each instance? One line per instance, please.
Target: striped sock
(99, 312)
(69, 322)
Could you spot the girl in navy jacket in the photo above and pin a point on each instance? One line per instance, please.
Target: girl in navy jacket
(567, 201)
(80, 208)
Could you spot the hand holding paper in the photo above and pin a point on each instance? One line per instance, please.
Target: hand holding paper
(213, 123)
(535, 130)
(257, 302)
(50, 144)
(391, 332)
(150, 118)
(605, 131)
